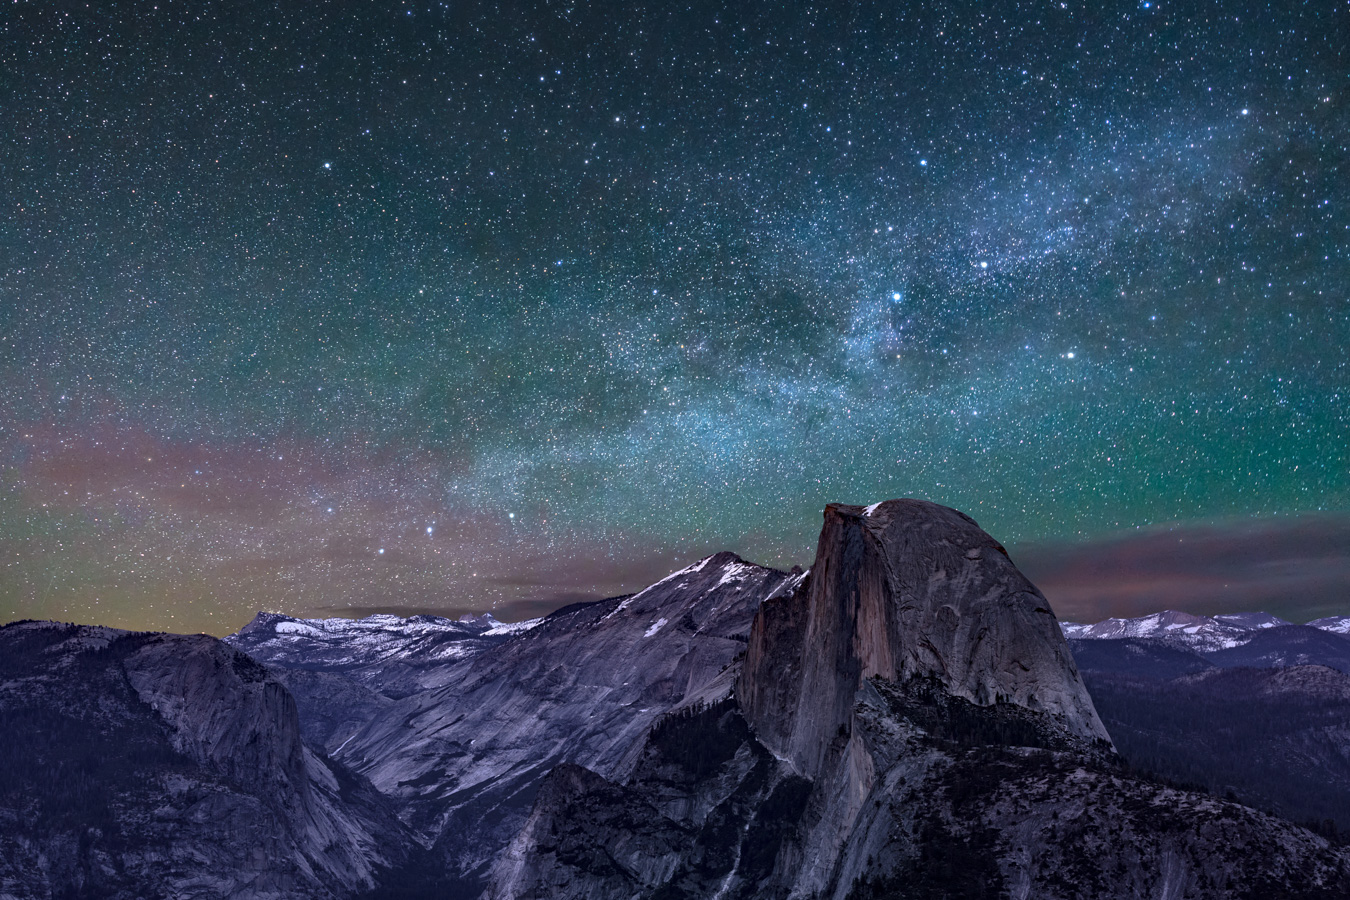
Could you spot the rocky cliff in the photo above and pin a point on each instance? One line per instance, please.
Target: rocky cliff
(905, 590)
(463, 758)
(138, 765)
(907, 722)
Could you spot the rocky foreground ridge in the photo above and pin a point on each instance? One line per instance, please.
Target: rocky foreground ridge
(904, 719)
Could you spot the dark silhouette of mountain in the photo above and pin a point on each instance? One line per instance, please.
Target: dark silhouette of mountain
(137, 765)
(1259, 715)
(1275, 738)
(1287, 645)
(1136, 657)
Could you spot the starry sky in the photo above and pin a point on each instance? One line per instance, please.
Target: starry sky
(330, 308)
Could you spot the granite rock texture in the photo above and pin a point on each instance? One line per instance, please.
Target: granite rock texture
(901, 590)
(142, 765)
(907, 723)
(463, 757)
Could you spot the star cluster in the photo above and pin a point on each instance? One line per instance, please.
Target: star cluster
(321, 307)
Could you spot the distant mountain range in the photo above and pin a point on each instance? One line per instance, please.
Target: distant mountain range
(1198, 632)
(1244, 705)
(905, 719)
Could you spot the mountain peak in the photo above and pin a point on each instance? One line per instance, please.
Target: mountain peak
(482, 620)
(1181, 628)
(1251, 620)
(900, 590)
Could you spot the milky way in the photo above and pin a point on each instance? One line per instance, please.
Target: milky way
(333, 307)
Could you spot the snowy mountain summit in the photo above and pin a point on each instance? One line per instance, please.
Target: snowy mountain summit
(1334, 624)
(1195, 632)
(1234, 639)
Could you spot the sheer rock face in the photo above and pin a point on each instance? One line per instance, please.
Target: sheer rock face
(907, 722)
(904, 590)
(225, 710)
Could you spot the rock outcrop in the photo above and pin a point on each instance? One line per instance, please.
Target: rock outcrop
(905, 590)
(907, 722)
(138, 765)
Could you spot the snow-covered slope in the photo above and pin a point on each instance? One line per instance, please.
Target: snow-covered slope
(1252, 621)
(1336, 624)
(385, 653)
(1234, 639)
(1218, 630)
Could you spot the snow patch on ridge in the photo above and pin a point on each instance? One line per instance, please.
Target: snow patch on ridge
(1219, 632)
(696, 567)
(656, 626)
(1334, 624)
(687, 570)
(734, 572)
(298, 627)
(512, 627)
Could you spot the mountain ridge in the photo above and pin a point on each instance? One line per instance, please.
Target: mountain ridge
(140, 762)
(902, 719)
(860, 740)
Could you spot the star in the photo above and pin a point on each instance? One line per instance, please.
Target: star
(656, 341)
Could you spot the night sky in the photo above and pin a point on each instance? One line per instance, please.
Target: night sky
(329, 308)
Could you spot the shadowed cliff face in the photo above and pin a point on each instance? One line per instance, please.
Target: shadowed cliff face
(904, 590)
(135, 765)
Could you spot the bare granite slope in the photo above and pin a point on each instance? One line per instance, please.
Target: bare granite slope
(582, 686)
(139, 765)
(907, 723)
(901, 590)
